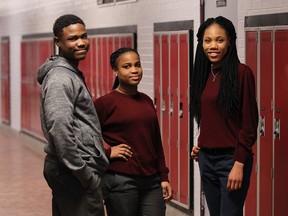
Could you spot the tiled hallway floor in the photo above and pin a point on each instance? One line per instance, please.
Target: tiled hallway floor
(23, 190)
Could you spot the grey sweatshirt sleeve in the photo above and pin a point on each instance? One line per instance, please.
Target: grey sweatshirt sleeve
(59, 94)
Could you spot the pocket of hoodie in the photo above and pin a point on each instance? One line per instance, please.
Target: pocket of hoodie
(90, 143)
(101, 157)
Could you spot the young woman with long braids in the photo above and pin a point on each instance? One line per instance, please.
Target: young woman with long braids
(136, 183)
(223, 103)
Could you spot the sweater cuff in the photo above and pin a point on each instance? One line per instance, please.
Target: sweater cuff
(108, 151)
(164, 177)
(241, 154)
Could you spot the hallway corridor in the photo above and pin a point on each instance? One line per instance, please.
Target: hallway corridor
(23, 190)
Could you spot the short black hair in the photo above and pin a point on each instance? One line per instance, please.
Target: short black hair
(64, 21)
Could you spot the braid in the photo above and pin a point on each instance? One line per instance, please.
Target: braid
(228, 96)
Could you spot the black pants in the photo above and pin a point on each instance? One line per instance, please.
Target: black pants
(69, 197)
(215, 168)
(133, 196)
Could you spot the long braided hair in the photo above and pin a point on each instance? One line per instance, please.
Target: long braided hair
(228, 96)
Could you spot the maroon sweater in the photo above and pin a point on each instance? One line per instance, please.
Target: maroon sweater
(132, 120)
(216, 132)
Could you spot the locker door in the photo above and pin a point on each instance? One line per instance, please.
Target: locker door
(117, 42)
(173, 113)
(157, 81)
(266, 126)
(94, 78)
(99, 72)
(33, 61)
(23, 79)
(86, 67)
(165, 97)
(5, 82)
(105, 62)
(281, 124)
(44, 49)
(129, 40)
(183, 115)
(251, 61)
(111, 76)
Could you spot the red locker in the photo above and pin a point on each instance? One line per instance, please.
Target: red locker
(110, 74)
(266, 126)
(157, 81)
(33, 55)
(171, 87)
(173, 114)
(273, 171)
(281, 124)
(93, 76)
(26, 53)
(5, 82)
(165, 97)
(45, 50)
(117, 42)
(105, 62)
(251, 61)
(86, 67)
(99, 67)
(183, 114)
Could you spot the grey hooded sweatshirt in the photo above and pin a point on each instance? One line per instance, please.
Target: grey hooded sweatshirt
(69, 120)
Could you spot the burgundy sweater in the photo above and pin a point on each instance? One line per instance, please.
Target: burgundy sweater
(216, 132)
(132, 120)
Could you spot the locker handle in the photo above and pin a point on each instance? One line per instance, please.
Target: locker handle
(277, 129)
(163, 106)
(181, 110)
(262, 126)
(171, 108)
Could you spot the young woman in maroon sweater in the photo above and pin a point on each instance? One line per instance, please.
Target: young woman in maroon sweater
(224, 105)
(136, 183)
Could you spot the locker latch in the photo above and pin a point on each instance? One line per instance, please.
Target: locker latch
(262, 126)
(277, 129)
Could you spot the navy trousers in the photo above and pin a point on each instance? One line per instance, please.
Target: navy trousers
(214, 169)
(69, 197)
(132, 195)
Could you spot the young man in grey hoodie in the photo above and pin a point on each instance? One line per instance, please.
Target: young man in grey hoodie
(75, 159)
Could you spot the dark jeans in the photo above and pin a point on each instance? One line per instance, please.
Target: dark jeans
(69, 197)
(215, 168)
(133, 196)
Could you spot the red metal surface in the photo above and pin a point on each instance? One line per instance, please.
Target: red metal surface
(281, 114)
(105, 67)
(251, 61)
(266, 141)
(173, 113)
(5, 82)
(110, 74)
(165, 97)
(184, 119)
(157, 81)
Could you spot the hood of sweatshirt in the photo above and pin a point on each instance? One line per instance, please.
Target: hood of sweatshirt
(53, 61)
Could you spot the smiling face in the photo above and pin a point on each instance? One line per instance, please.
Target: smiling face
(129, 71)
(73, 42)
(215, 43)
